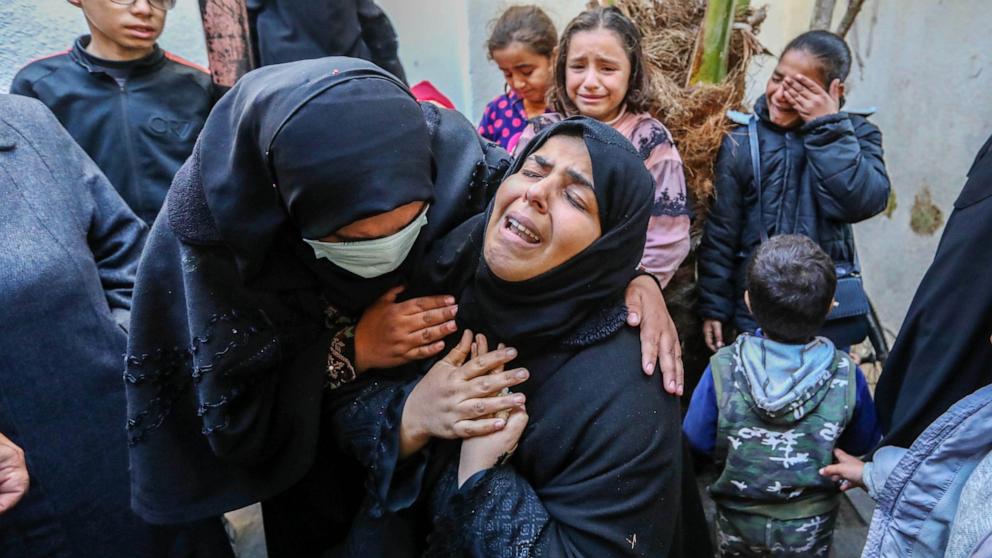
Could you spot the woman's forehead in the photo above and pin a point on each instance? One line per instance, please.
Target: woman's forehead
(564, 145)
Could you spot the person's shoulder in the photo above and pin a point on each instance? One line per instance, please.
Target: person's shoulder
(20, 111)
(861, 124)
(648, 134)
(604, 384)
(180, 66)
(41, 68)
(610, 370)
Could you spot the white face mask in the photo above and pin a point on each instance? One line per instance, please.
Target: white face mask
(371, 258)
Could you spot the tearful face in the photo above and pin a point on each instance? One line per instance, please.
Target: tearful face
(544, 214)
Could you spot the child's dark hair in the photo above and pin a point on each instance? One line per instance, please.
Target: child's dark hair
(829, 49)
(638, 98)
(790, 284)
(527, 25)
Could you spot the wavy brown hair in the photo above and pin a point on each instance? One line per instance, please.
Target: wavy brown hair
(638, 97)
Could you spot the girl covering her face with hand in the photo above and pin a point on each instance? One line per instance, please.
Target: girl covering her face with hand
(521, 44)
(821, 170)
(600, 72)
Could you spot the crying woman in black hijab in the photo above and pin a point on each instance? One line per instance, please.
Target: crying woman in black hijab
(597, 470)
(314, 189)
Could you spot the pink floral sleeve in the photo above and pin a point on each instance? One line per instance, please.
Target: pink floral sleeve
(667, 241)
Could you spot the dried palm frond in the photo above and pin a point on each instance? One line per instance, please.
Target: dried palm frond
(695, 115)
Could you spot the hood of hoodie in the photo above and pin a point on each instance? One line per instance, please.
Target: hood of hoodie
(784, 381)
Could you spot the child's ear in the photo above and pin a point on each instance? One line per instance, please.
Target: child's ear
(837, 89)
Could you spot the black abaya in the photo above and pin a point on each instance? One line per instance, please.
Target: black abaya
(943, 353)
(598, 470)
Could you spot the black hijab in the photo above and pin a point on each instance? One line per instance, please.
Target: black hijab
(303, 149)
(553, 305)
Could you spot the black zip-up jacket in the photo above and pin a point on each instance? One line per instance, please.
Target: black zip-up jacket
(138, 133)
(816, 180)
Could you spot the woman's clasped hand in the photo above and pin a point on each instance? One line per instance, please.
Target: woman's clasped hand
(458, 396)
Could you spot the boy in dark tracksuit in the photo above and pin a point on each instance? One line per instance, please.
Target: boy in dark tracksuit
(772, 407)
(135, 109)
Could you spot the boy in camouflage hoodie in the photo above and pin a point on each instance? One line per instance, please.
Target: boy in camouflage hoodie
(772, 407)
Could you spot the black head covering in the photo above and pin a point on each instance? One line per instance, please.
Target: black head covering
(309, 147)
(554, 304)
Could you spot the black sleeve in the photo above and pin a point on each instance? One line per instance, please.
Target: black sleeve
(114, 234)
(717, 254)
(845, 154)
(617, 492)
(380, 37)
(366, 417)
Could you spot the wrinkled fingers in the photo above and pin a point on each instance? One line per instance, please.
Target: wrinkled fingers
(486, 406)
(490, 384)
(472, 428)
(485, 363)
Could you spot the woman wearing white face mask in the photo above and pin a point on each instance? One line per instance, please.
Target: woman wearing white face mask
(290, 220)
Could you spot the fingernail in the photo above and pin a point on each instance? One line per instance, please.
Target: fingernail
(633, 316)
(452, 326)
(671, 384)
(518, 399)
(454, 309)
(511, 352)
(681, 389)
(521, 374)
(649, 366)
(499, 424)
(449, 300)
